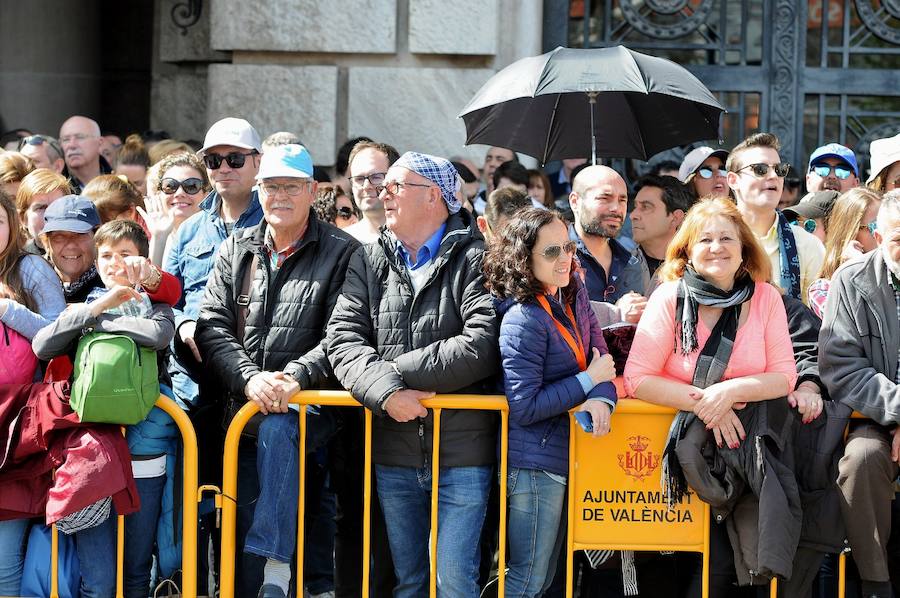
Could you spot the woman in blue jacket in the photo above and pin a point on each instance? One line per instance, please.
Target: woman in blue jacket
(554, 359)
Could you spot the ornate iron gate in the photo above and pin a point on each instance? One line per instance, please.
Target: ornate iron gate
(811, 72)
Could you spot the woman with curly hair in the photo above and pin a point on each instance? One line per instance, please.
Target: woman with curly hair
(554, 359)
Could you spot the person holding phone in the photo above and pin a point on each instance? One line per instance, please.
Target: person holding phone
(554, 358)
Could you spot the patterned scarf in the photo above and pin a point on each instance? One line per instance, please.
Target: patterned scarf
(693, 290)
(70, 290)
(790, 260)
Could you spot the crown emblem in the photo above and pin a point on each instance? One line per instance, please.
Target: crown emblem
(638, 462)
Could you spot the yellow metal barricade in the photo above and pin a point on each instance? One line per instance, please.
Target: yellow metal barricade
(615, 498)
(343, 399)
(189, 515)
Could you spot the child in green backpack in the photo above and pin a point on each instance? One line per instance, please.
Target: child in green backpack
(122, 250)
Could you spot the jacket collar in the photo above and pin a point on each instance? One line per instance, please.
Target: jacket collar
(253, 239)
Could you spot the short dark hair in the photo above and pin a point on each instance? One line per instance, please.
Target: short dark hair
(325, 205)
(513, 171)
(664, 165)
(675, 195)
(504, 203)
(123, 230)
(342, 160)
(388, 150)
(769, 140)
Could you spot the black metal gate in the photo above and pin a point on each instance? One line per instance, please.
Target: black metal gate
(811, 72)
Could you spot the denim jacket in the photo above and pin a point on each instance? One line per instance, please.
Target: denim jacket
(191, 258)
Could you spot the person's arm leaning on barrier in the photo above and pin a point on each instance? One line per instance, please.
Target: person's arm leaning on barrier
(58, 338)
(351, 341)
(472, 355)
(844, 360)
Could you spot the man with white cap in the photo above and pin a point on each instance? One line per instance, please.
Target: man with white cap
(703, 171)
(414, 319)
(261, 330)
(832, 167)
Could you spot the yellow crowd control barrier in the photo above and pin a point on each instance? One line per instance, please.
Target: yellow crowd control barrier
(189, 515)
(343, 399)
(615, 498)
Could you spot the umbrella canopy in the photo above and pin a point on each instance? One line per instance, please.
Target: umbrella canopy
(614, 101)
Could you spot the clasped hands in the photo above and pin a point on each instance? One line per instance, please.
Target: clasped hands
(271, 391)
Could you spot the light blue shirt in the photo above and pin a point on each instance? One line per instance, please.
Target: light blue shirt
(427, 252)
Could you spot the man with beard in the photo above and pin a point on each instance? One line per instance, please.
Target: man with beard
(858, 359)
(612, 274)
(756, 177)
(79, 138)
(368, 163)
(832, 167)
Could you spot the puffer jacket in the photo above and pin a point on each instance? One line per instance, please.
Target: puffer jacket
(539, 377)
(288, 311)
(385, 337)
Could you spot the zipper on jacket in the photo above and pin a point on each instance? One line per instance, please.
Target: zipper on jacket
(422, 441)
(550, 429)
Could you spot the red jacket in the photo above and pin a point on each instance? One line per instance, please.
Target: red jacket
(39, 433)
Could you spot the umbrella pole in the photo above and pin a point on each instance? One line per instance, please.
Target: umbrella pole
(592, 100)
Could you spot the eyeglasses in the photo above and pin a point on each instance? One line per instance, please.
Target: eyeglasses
(394, 187)
(191, 186)
(809, 225)
(234, 160)
(76, 137)
(292, 189)
(552, 252)
(376, 178)
(823, 170)
(706, 172)
(761, 169)
(345, 213)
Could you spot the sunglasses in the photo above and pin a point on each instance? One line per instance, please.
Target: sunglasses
(809, 225)
(552, 252)
(871, 227)
(705, 172)
(39, 140)
(823, 170)
(191, 186)
(234, 160)
(345, 213)
(760, 169)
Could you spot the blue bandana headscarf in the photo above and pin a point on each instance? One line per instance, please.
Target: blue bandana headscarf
(437, 170)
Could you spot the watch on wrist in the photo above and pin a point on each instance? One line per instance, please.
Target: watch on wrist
(154, 279)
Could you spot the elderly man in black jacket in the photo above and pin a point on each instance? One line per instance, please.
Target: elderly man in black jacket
(414, 319)
(262, 330)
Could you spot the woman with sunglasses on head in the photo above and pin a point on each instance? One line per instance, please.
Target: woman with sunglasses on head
(713, 343)
(177, 192)
(703, 172)
(851, 233)
(554, 359)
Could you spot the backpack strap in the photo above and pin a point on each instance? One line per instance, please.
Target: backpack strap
(243, 300)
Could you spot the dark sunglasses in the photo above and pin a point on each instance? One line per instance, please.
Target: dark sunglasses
(706, 172)
(809, 225)
(345, 213)
(823, 170)
(234, 160)
(761, 169)
(190, 186)
(552, 252)
(38, 140)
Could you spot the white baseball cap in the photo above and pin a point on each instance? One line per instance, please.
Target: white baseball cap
(883, 153)
(695, 158)
(232, 131)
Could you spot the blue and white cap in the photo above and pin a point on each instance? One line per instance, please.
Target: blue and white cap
(290, 160)
(437, 170)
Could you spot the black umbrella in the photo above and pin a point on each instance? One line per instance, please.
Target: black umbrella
(545, 106)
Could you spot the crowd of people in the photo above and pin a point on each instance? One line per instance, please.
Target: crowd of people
(763, 318)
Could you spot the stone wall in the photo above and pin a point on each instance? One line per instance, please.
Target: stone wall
(395, 70)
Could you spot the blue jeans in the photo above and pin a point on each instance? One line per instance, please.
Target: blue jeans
(536, 503)
(12, 555)
(140, 536)
(97, 557)
(273, 533)
(405, 496)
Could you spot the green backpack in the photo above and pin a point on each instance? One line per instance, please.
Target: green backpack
(116, 381)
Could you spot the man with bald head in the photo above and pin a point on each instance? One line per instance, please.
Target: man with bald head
(79, 137)
(612, 274)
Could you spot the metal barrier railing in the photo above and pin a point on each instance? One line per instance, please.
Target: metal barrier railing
(189, 506)
(343, 399)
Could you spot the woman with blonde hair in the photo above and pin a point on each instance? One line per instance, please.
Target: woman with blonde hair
(713, 342)
(38, 190)
(115, 197)
(13, 168)
(851, 233)
(133, 161)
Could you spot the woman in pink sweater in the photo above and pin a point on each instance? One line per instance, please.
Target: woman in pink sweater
(713, 337)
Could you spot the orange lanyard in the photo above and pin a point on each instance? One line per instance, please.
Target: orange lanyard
(574, 342)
